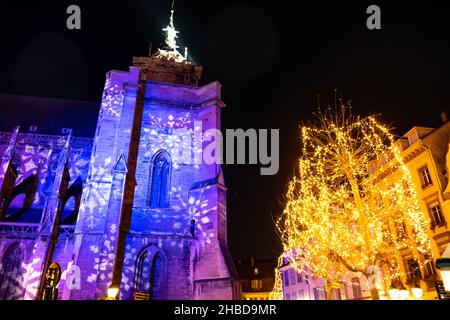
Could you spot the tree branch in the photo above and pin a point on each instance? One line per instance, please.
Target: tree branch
(348, 266)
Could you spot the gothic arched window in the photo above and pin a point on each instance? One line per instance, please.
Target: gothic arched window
(149, 277)
(160, 176)
(10, 274)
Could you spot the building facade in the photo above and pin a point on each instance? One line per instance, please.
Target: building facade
(425, 152)
(304, 286)
(257, 278)
(122, 209)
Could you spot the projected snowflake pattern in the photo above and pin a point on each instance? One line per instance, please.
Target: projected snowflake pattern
(172, 122)
(30, 157)
(79, 162)
(32, 277)
(105, 261)
(12, 285)
(94, 197)
(175, 134)
(198, 208)
(112, 100)
(129, 265)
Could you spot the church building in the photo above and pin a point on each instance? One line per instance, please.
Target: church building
(118, 208)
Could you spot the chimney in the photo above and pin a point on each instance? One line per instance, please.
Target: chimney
(444, 116)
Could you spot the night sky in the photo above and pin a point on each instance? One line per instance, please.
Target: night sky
(272, 60)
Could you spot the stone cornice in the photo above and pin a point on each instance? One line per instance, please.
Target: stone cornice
(413, 151)
(192, 106)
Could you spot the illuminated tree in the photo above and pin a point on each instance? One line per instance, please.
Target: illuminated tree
(343, 212)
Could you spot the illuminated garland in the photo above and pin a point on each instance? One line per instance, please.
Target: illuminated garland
(277, 291)
(340, 214)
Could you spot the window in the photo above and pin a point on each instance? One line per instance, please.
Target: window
(442, 243)
(319, 293)
(149, 274)
(301, 294)
(256, 284)
(256, 271)
(286, 278)
(288, 296)
(299, 277)
(413, 138)
(436, 215)
(316, 294)
(143, 273)
(429, 269)
(294, 296)
(293, 276)
(356, 286)
(413, 269)
(187, 78)
(425, 177)
(336, 294)
(160, 175)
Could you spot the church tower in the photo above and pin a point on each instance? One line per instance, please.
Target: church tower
(152, 219)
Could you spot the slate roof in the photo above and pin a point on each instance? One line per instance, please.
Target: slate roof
(49, 115)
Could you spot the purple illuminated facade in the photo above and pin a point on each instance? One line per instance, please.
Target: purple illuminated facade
(120, 209)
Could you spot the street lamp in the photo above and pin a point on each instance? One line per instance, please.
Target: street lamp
(112, 293)
(404, 293)
(397, 291)
(417, 291)
(444, 265)
(394, 293)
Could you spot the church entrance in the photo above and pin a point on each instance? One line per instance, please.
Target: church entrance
(150, 274)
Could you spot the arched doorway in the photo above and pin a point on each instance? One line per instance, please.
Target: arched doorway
(150, 276)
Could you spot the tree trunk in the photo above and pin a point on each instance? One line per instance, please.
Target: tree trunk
(330, 294)
(329, 291)
(359, 206)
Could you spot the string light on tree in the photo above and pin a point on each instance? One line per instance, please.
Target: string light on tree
(341, 213)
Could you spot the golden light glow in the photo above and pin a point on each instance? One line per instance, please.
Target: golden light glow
(394, 293)
(341, 213)
(404, 294)
(277, 291)
(417, 292)
(112, 292)
(445, 273)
